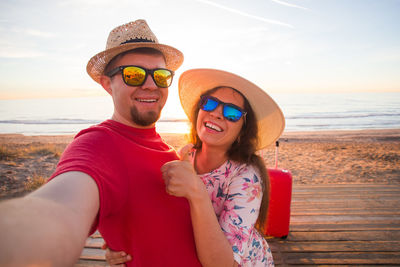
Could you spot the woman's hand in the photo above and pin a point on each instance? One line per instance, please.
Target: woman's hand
(181, 179)
(116, 258)
(185, 151)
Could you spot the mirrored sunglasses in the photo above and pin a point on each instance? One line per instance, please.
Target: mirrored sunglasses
(230, 111)
(136, 75)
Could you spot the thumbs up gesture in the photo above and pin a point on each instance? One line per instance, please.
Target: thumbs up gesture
(184, 152)
(180, 177)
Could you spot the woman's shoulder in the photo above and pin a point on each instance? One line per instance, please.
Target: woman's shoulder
(243, 169)
(244, 177)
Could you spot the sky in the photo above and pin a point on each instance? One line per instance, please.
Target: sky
(281, 45)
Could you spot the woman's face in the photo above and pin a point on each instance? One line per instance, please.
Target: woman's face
(213, 129)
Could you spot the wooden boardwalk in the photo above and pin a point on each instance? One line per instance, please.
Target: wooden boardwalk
(330, 225)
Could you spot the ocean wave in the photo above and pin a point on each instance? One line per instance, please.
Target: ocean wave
(342, 116)
(70, 121)
(291, 125)
(50, 121)
(302, 112)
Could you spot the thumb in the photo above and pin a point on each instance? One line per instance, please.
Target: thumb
(184, 152)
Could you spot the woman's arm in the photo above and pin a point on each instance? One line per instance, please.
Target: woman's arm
(241, 204)
(213, 248)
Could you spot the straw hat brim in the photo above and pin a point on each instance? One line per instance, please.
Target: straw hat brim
(96, 65)
(271, 122)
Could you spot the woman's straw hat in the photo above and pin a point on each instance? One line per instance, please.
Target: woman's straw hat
(271, 122)
(127, 37)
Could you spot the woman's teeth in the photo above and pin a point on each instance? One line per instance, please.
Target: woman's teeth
(213, 127)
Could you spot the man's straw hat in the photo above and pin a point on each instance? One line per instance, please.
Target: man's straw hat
(127, 37)
(271, 122)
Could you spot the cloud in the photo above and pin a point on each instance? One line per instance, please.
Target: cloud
(19, 42)
(276, 22)
(5, 32)
(32, 32)
(14, 52)
(37, 33)
(100, 4)
(288, 4)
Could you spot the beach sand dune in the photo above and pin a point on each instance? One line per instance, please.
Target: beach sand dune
(334, 157)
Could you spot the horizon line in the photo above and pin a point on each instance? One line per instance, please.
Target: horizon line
(102, 94)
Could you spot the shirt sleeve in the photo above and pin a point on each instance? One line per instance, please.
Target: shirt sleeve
(241, 208)
(94, 154)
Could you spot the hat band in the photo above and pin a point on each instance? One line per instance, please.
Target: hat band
(138, 40)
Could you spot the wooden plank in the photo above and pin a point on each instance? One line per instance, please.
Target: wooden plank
(94, 243)
(348, 186)
(336, 246)
(344, 211)
(345, 191)
(322, 207)
(356, 258)
(86, 263)
(96, 235)
(345, 236)
(346, 204)
(343, 227)
(337, 265)
(278, 260)
(347, 199)
(339, 195)
(333, 265)
(92, 254)
(341, 219)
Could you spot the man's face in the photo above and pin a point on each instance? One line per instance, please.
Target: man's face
(138, 106)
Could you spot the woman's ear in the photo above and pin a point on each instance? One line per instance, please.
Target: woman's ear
(105, 81)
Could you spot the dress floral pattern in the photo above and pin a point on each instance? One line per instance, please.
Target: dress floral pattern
(235, 191)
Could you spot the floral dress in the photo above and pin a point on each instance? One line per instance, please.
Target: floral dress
(235, 191)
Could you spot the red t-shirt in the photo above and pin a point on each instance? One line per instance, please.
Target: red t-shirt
(136, 214)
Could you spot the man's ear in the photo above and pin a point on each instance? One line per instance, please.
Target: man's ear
(105, 81)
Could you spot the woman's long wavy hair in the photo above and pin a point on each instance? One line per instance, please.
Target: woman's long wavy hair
(243, 150)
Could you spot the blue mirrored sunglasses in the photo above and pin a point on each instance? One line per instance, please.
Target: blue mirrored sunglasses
(230, 111)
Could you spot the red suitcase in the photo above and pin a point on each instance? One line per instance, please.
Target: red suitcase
(278, 219)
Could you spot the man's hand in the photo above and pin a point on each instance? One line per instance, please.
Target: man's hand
(116, 258)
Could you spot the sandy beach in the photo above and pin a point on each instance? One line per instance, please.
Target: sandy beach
(331, 157)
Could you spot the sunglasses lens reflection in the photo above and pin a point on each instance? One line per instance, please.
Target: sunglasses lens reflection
(134, 76)
(232, 113)
(163, 78)
(209, 104)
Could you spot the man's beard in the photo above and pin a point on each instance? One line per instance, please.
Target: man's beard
(146, 119)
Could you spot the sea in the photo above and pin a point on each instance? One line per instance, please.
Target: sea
(303, 112)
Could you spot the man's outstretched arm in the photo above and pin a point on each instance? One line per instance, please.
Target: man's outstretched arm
(49, 226)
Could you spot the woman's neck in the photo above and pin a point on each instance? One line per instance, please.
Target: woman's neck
(208, 159)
